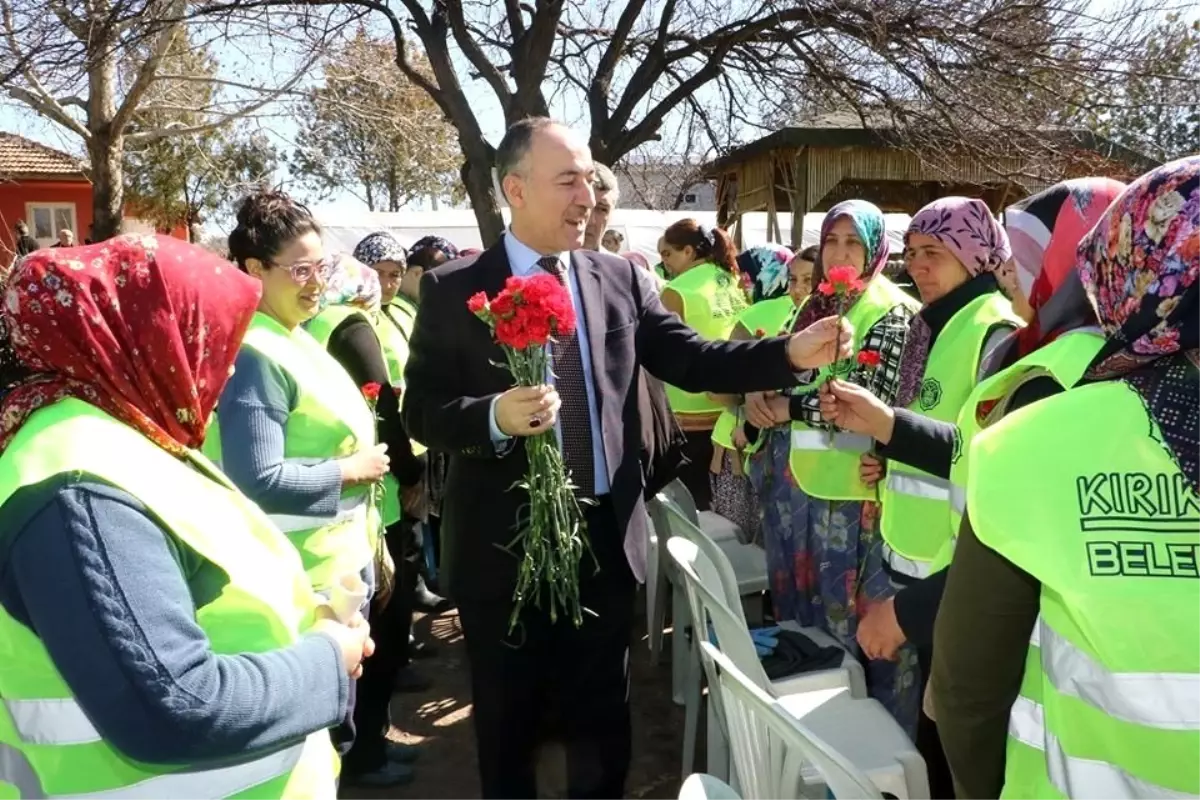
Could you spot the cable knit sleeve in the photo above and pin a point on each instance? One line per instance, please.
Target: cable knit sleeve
(885, 337)
(105, 589)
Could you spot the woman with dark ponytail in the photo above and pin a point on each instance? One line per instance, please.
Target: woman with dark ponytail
(705, 290)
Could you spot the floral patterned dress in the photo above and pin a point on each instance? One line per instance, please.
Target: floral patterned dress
(825, 559)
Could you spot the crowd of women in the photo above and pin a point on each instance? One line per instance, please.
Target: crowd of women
(1025, 411)
(936, 446)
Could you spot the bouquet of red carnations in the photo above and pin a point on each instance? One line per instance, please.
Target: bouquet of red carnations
(527, 315)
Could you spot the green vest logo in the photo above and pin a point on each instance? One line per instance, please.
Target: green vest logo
(1148, 524)
(956, 454)
(931, 394)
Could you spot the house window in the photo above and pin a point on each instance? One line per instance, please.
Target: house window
(690, 197)
(47, 219)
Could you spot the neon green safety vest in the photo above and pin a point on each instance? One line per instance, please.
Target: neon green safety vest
(824, 464)
(1103, 519)
(48, 745)
(773, 317)
(395, 329)
(712, 300)
(1064, 360)
(914, 517)
(331, 420)
(321, 327)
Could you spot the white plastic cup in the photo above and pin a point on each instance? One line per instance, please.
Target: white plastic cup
(346, 597)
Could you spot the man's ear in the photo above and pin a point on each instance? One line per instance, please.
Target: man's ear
(514, 190)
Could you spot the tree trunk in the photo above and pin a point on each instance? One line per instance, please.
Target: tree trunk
(477, 177)
(105, 145)
(108, 184)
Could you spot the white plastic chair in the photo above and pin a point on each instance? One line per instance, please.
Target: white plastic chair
(749, 574)
(699, 786)
(861, 730)
(774, 753)
(720, 529)
(707, 576)
(658, 568)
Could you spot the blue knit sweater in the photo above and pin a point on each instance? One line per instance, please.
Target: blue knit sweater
(113, 598)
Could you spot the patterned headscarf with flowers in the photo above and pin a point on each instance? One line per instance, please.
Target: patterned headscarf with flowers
(767, 265)
(352, 283)
(380, 246)
(1139, 266)
(145, 328)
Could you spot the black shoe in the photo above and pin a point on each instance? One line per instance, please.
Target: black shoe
(408, 681)
(421, 650)
(425, 600)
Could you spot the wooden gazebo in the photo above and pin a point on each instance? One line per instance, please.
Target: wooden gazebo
(800, 170)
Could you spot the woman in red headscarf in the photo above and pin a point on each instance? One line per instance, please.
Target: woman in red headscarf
(155, 628)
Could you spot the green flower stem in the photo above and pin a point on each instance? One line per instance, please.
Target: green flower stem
(552, 534)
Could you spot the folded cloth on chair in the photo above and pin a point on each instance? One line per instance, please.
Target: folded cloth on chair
(795, 653)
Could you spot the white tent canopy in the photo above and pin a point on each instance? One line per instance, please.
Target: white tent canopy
(641, 228)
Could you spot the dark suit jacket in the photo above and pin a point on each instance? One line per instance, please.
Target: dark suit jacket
(451, 378)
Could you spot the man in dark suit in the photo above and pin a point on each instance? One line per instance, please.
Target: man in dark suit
(543, 678)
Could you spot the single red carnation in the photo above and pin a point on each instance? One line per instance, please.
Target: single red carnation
(869, 358)
(371, 391)
(477, 302)
(825, 288)
(843, 279)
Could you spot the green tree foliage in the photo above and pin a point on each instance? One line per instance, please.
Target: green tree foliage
(1157, 109)
(185, 180)
(369, 130)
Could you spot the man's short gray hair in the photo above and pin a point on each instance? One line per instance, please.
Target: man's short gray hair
(515, 145)
(606, 181)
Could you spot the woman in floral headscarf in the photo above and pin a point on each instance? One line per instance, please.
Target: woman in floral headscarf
(817, 528)
(1140, 268)
(165, 620)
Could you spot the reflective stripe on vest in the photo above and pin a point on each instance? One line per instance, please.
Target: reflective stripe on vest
(198, 783)
(905, 566)
(349, 509)
(51, 721)
(912, 484)
(1078, 777)
(958, 502)
(812, 439)
(1169, 700)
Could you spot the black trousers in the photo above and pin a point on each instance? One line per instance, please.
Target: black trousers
(929, 743)
(390, 628)
(555, 681)
(699, 450)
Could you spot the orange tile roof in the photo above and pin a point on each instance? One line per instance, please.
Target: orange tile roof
(21, 156)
